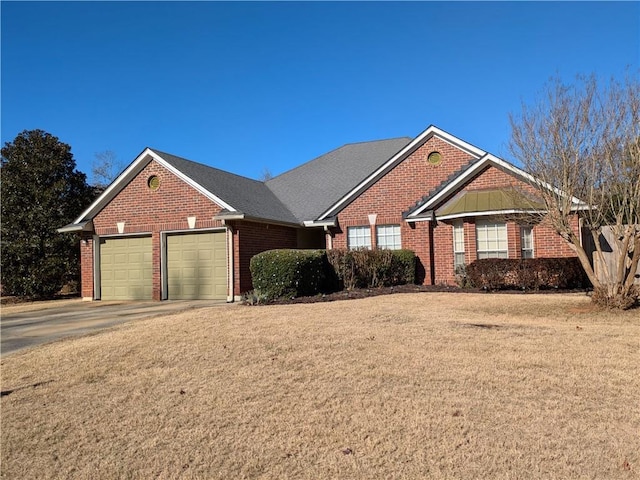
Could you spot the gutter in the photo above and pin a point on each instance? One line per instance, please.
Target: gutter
(85, 226)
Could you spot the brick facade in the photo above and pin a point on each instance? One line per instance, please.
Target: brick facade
(140, 210)
(396, 192)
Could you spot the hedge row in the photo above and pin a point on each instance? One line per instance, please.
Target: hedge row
(371, 268)
(527, 274)
(295, 273)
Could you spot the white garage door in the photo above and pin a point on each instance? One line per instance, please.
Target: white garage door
(125, 268)
(197, 266)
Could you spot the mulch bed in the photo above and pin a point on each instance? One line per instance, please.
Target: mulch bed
(373, 292)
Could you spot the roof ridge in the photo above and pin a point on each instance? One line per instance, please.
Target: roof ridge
(332, 151)
(227, 172)
(380, 140)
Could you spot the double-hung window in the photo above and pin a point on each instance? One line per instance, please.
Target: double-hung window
(359, 237)
(388, 236)
(526, 241)
(458, 245)
(491, 238)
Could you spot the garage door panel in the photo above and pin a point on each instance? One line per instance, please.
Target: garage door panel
(125, 268)
(197, 266)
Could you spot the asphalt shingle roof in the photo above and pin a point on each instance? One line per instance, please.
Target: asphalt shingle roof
(300, 194)
(310, 189)
(248, 196)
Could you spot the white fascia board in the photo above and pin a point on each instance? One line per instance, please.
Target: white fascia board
(419, 219)
(431, 131)
(489, 213)
(134, 169)
(221, 203)
(326, 223)
(110, 191)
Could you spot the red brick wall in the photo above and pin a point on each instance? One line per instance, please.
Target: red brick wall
(547, 243)
(86, 265)
(251, 238)
(402, 187)
(167, 208)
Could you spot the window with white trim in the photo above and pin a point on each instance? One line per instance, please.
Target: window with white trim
(491, 239)
(526, 241)
(458, 245)
(359, 237)
(388, 237)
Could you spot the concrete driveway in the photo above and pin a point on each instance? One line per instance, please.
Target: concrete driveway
(25, 326)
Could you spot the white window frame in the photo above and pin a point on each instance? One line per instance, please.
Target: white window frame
(359, 237)
(492, 239)
(388, 237)
(526, 241)
(458, 245)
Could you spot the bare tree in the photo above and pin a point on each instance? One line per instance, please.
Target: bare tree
(581, 142)
(105, 168)
(266, 175)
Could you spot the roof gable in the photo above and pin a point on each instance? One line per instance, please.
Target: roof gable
(233, 193)
(394, 160)
(456, 181)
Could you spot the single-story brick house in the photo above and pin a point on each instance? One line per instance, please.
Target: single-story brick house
(170, 228)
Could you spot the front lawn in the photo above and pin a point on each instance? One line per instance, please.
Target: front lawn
(421, 385)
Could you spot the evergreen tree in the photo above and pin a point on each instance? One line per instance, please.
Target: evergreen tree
(41, 192)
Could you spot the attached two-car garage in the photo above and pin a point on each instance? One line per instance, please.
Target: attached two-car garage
(194, 267)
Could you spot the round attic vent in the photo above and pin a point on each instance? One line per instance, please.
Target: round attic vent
(434, 158)
(154, 182)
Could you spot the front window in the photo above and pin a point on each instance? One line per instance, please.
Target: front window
(388, 236)
(491, 238)
(458, 245)
(359, 237)
(526, 241)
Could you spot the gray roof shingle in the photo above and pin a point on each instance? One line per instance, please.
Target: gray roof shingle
(248, 196)
(310, 189)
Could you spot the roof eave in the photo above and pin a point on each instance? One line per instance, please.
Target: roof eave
(490, 213)
(85, 226)
(330, 222)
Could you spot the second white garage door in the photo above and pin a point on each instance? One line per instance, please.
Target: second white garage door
(197, 266)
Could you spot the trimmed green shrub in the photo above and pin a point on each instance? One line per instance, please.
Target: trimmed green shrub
(527, 274)
(288, 273)
(371, 268)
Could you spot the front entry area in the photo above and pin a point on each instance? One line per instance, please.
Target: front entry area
(196, 266)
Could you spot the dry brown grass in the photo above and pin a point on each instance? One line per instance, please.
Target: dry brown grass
(429, 385)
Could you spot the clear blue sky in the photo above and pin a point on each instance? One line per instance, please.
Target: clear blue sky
(248, 86)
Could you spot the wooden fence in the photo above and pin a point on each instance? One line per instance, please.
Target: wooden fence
(609, 250)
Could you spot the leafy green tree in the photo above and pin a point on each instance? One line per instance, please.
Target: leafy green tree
(41, 191)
